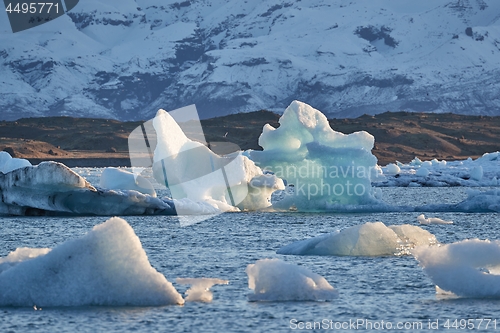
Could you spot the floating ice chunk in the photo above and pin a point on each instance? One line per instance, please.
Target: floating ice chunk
(200, 288)
(477, 173)
(431, 220)
(8, 164)
(422, 172)
(416, 162)
(470, 268)
(117, 179)
(426, 164)
(107, 266)
(324, 167)
(52, 188)
(369, 239)
(392, 168)
(193, 171)
(19, 255)
(276, 280)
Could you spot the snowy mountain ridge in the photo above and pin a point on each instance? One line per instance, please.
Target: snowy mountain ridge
(126, 59)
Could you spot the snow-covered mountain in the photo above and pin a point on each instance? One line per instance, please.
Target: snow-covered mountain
(126, 59)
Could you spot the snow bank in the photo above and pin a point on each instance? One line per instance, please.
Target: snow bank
(276, 280)
(117, 179)
(8, 164)
(51, 188)
(191, 170)
(369, 239)
(321, 166)
(107, 266)
(431, 220)
(470, 268)
(484, 171)
(200, 288)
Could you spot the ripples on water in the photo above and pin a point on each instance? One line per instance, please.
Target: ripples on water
(389, 288)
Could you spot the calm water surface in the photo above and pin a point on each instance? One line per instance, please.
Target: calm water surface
(392, 289)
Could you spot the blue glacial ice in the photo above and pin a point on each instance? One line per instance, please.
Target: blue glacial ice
(324, 169)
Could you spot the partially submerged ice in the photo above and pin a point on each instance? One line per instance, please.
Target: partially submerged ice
(476, 263)
(107, 267)
(51, 188)
(8, 163)
(326, 169)
(200, 288)
(369, 239)
(276, 280)
(192, 171)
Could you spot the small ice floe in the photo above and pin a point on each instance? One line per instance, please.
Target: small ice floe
(276, 280)
(469, 268)
(431, 220)
(200, 288)
(369, 239)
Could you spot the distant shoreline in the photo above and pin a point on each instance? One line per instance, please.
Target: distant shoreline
(399, 136)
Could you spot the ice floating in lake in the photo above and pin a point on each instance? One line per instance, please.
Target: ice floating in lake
(19, 255)
(276, 280)
(117, 179)
(484, 171)
(52, 188)
(107, 266)
(431, 220)
(191, 170)
(200, 288)
(369, 239)
(469, 268)
(326, 168)
(8, 164)
(476, 202)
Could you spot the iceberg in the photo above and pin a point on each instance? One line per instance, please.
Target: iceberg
(476, 263)
(323, 168)
(276, 280)
(51, 188)
(369, 239)
(200, 288)
(476, 202)
(106, 267)
(191, 170)
(117, 179)
(8, 163)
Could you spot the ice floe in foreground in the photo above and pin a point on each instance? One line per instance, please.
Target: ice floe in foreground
(470, 268)
(107, 266)
(200, 288)
(323, 168)
(369, 239)
(276, 280)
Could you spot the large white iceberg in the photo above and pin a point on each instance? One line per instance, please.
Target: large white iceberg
(191, 170)
(51, 188)
(107, 266)
(470, 268)
(369, 239)
(326, 168)
(276, 280)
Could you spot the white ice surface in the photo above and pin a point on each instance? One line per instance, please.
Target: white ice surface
(276, 280)
(200, 288)
(118, 179)
(369, 239)
(107, 266)
(469, 268)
